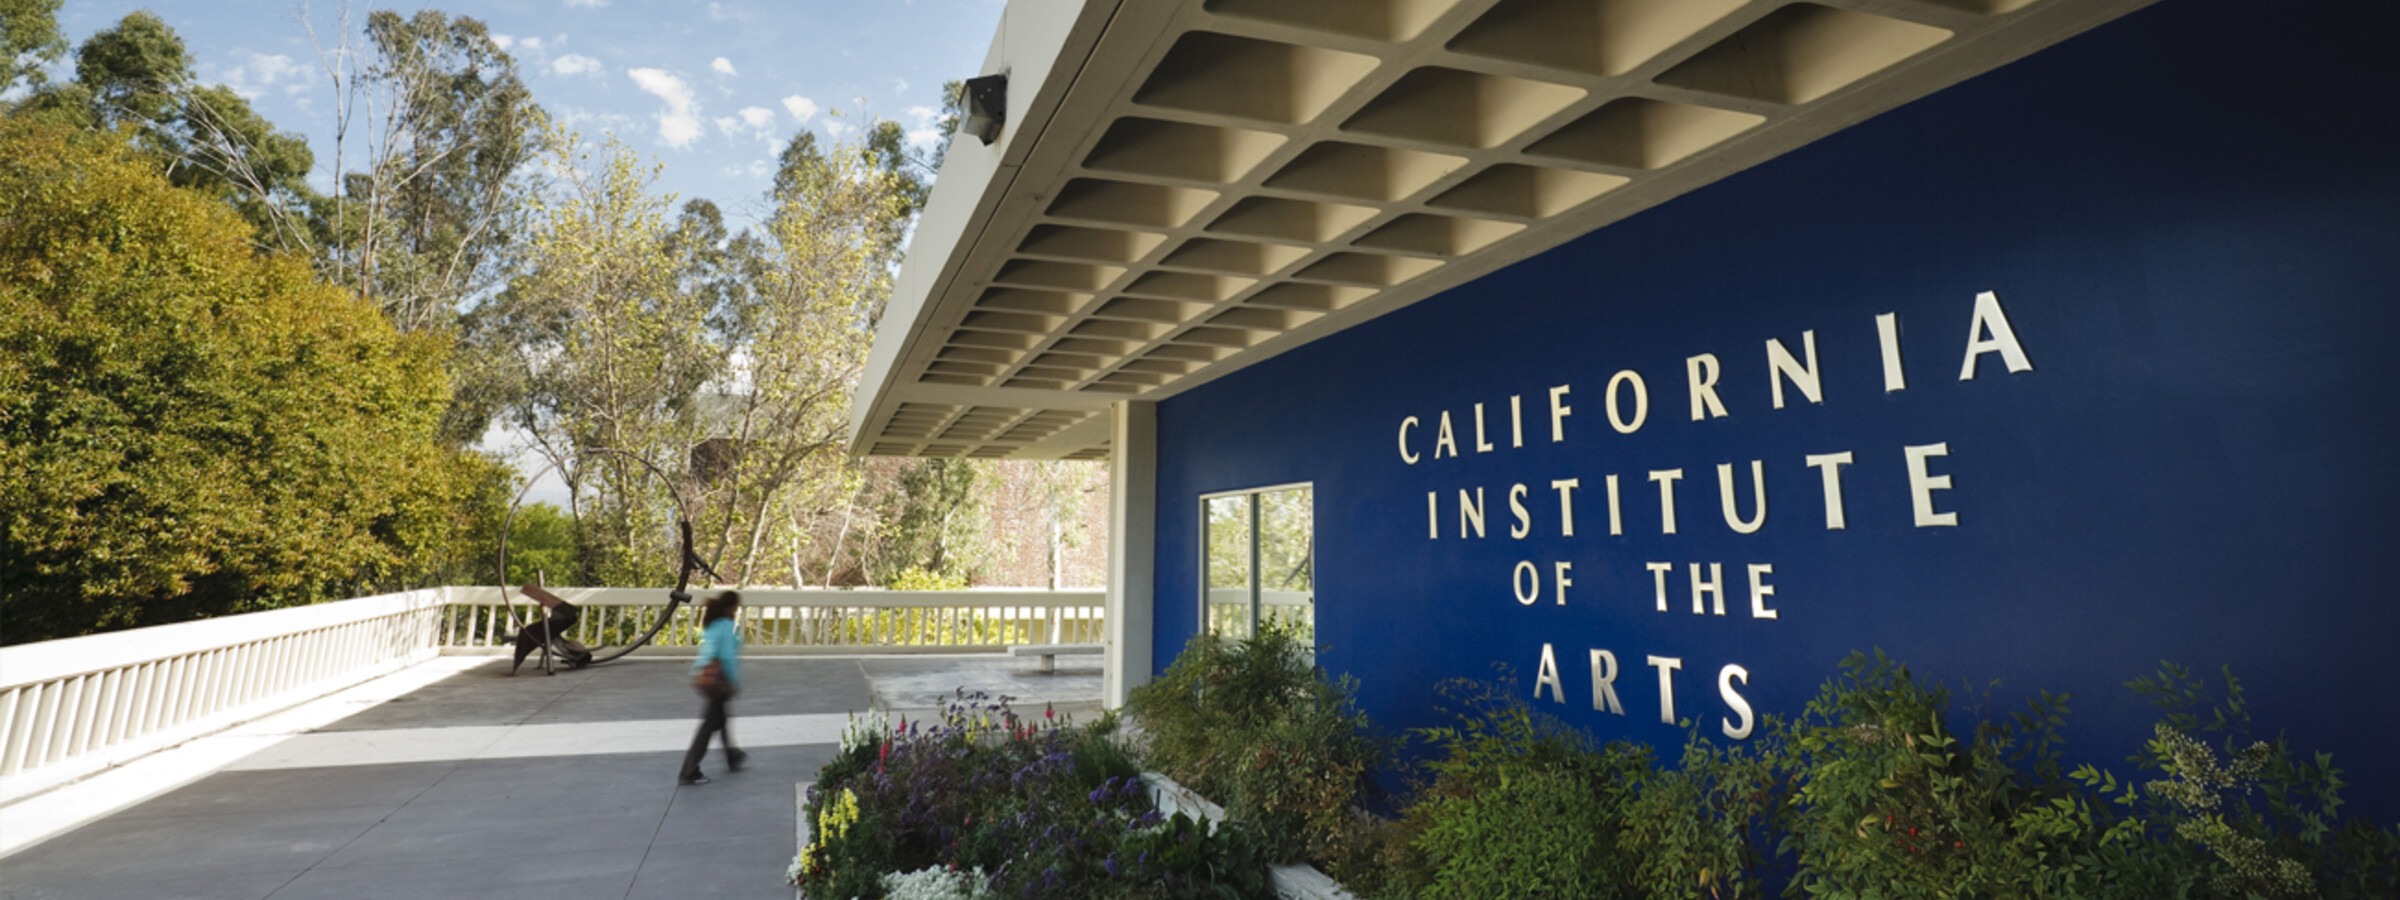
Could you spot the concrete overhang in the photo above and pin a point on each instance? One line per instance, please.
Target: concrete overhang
(1185, 189)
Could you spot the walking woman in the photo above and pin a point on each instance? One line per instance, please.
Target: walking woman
(717, 673)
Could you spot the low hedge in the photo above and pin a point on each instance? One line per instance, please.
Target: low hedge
(1868, 793)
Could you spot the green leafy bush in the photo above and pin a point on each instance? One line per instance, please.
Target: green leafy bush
(1519, 806)
(1707, 829)
(1879, 789)
(2231, 815)
(1255, 726)
(1889, 801)
(918, 579)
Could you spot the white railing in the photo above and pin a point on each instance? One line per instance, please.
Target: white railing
(829, 620)
(72, 707)
(1229, 611)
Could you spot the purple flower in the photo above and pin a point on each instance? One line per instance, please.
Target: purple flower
(1111, 865)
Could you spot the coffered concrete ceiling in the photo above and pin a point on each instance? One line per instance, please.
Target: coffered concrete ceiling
(1183, 189)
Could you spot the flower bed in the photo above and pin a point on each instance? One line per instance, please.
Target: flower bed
(1872, 791)
(987, 803)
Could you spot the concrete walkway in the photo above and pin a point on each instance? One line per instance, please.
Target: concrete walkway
(453, 779)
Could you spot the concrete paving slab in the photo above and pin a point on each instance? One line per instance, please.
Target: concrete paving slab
(725, 869)
(754, 802)
(152, 885)
(464, 782)
(456, 831)
(199, 848)
(270, 792)
(588, 874)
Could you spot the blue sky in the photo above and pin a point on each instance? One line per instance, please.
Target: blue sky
(711, 90)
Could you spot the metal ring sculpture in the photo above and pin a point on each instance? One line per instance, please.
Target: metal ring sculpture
(675, 598)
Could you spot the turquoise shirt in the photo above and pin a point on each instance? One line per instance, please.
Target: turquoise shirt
(721, 641)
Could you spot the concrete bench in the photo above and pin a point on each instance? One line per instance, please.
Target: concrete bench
(1051, 652)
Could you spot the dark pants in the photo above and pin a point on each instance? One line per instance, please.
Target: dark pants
(714, 721)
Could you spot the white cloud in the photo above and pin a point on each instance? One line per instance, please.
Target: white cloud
(838, 128)
(722, 66)
(577, 117)
(923, 115)
(752, 122)
(504, 41)
(679, 123)
(259, 73)
(925, 138)
(532, 43)
(899, 85)
(575, 64)
(586, 4)
(718, 12)
(800, 107)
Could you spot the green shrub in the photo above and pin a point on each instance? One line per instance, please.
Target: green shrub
(1708, 828)
(1520, 806)
(1889, 801)
(1872, 792)
(918, 579)
(2230, 816)
(1255, 726)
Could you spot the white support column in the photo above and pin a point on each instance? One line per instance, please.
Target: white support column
(1132, 534)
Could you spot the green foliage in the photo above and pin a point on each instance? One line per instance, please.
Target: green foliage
(934, 522)
(134, 71)
(1701, 829)
(921, 580)
(29, 40)
(136, 77)
(1520, 806)
(658, 359)
(1871, 793)
(1254, 725)
(541, 542)
(1891, 802)
(187, 429)
(436, 220)
(2232, 815)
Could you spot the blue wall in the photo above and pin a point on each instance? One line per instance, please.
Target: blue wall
(2191, 219)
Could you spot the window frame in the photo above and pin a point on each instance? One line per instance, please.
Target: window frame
(1254, 588)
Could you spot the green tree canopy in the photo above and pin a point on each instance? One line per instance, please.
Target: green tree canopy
(137, 77)
(29, 40)
(188, 428)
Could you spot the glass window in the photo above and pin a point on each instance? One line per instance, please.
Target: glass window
(1260, 568)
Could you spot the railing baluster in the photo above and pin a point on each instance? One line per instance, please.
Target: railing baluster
(12, 728)
(195, 687)
(25, 751)
(137, 703)
(170, 701)
(103, 715)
